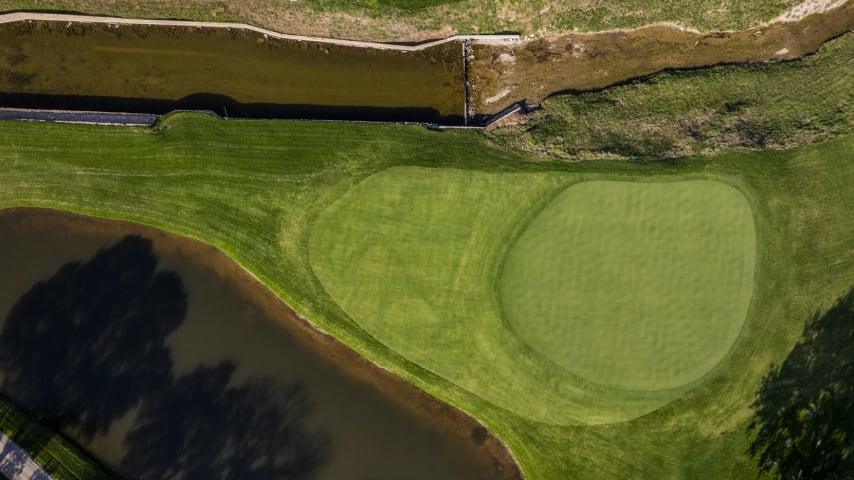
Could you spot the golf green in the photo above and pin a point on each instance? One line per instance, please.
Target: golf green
(392, 238)
(637, 286)
(484, 267)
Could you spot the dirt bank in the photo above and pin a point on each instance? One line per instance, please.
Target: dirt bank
(537, 68)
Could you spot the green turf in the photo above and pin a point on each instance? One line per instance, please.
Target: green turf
(256, 190)
(412, 256)
(57, 456)
(639, 286)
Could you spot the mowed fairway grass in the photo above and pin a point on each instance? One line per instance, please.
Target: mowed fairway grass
(638, 286)
(425, 220)
(618, 293)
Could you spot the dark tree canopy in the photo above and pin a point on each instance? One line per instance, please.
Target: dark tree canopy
(204, 429)
(804, 411)
(78, 349)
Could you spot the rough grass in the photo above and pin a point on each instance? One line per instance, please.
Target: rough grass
(422, 19)
(641, 286)
(677, 114)
(406, 4)
(59, 457)
(255, 190)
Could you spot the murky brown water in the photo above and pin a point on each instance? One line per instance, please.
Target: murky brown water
(239, 73)
(251, 390)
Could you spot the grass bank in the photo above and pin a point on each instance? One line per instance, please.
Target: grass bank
(258, 191)
(59, 457)
(421, 19)
(683, 113)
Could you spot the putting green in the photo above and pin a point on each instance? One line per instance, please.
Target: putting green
(411, 255)
(414, 256)
(636, 286)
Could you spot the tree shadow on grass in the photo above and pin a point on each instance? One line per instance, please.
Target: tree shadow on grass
(12, 460)
(804, 411)
(15, 463)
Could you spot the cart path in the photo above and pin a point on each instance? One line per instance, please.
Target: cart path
(16, 463)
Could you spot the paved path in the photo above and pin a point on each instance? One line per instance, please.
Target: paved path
(16, 464)
(65, 116)
(60, 17)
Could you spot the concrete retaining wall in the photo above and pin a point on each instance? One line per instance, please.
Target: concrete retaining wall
(92, 118)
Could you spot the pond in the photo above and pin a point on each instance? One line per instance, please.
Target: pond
(234, 72)
(162, 358)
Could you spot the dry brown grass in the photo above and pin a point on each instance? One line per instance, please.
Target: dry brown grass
(678, 114)
(364, 20)
(580, 62)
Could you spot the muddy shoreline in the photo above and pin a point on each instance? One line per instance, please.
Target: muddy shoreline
(539, 68)
(485, 447)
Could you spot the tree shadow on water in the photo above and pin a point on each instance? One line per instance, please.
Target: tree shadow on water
(80, 349)
(804, 411)
(203, 428)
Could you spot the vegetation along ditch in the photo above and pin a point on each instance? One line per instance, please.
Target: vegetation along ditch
(130, 66)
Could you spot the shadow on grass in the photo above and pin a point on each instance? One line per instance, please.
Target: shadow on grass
(226, 107)
(12, 461)
(81, 350)
(804, 411)
(16, 464)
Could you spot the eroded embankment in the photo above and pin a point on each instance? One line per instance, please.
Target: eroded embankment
(532, 70)
(114, 64)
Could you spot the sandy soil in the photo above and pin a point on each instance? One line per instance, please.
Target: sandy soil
(809, 7)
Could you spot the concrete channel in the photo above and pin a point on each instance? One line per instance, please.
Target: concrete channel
(153, 67)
